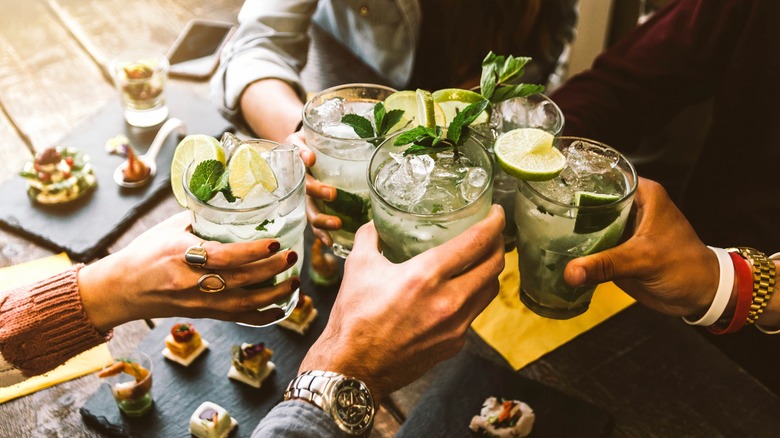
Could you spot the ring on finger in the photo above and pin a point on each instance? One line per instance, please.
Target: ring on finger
(209, 289)
(196, 256)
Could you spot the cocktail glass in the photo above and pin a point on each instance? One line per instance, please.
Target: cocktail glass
(132, 396)
(534, 111)
(259, 215)
(421, 201)
(342, 156)
(580, 212)
(140, 77)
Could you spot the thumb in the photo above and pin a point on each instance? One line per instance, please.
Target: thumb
(619, 262)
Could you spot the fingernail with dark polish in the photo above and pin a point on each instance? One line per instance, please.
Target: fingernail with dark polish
(294, 284)
(292, 257)
(274, 246)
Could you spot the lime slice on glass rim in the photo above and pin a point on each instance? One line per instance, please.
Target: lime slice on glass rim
(192, 148)
(454, 100)
(528, 154)
(408, 102)
(246, 169)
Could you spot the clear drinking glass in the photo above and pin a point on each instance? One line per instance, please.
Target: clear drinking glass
(140, 76)
(280, 215)
(419, 202)
(582, 211)
(342, 157)
(132, 396)
(534, 111)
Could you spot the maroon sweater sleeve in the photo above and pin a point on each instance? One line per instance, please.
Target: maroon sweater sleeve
(643, 81)
(44, 324)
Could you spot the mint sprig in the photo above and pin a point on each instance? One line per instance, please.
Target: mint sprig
(499, 75)
(209, 178)
(383, 120)
(430, 140)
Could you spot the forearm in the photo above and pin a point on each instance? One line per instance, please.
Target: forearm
(271, 108)
(43, 325)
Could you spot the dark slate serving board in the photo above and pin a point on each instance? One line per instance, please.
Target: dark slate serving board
(465, 381)
(177, 391)
(86, 226)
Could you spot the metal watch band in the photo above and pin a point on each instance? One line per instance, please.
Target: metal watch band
(321, 388)
(763, 270)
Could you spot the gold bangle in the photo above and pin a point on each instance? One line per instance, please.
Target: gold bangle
(763, 280)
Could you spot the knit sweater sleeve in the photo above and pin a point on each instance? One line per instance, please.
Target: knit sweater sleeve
(43, 325)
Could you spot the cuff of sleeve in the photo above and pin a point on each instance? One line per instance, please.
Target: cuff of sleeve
(45, 324)
(240, 72)
(297, 416)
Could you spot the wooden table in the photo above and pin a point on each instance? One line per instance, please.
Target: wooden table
(655, 375)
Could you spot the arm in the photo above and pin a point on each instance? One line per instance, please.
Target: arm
(269, 48)
(392, 322)
(79, 307)
(663, 264)
(639, 84)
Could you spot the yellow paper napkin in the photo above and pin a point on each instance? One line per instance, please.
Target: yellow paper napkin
(522, 336)
(85, 363)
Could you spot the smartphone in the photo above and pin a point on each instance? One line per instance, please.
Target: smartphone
(195, 53)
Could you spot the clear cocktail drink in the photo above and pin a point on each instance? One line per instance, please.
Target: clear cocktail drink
(581, 211)
(421, 201)
(260, 214)
(534, 111)
(342, 156)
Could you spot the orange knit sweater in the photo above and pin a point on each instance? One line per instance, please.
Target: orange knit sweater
(43, 325)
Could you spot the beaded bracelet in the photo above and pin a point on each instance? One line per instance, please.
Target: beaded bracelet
(744, 296)
(722, 294)
(775, 256)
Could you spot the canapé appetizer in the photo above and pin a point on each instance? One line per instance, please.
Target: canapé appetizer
(302, 315)
(184, 344)
(211, 420)
(506, 418)
(251, 363)
(58, 175)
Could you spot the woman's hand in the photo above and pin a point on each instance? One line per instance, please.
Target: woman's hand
(392, 322)
(150, 279)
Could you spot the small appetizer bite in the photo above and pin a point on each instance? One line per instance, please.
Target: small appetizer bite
(134, 396)
(211, 420)
(302, 315)
(251, 363)
(184, 344)
(136, 169)
(508, 418)
(59, 175)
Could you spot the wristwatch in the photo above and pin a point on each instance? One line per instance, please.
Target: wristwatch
(347, 400)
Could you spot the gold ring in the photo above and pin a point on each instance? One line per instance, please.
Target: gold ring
(196, 256)
(207, 289)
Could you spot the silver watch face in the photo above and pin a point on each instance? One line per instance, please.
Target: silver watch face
(353, 405)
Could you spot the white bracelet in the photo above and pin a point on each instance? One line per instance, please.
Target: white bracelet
(723, 294)
(775, 256)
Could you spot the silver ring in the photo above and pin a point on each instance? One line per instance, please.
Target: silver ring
(209, 290)
(196, 256)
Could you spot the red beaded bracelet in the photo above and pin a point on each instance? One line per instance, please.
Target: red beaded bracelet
(744, 296)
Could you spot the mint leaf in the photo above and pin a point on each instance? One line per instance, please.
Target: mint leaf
(464, 118)
(498, 75)
(413, 135)
(360, 124)
(391, 119)
(204, 180)
(379, 117)
(506, 92)
(264, 224)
